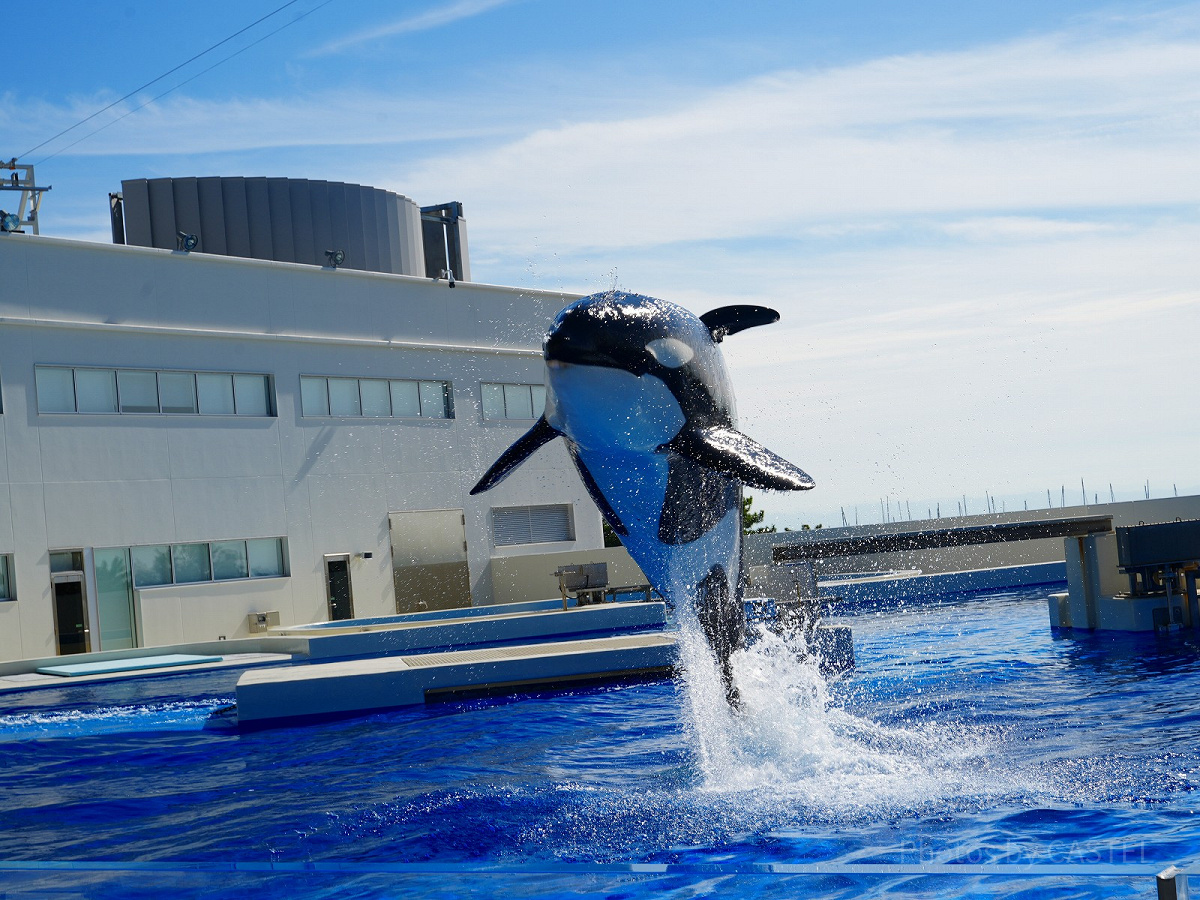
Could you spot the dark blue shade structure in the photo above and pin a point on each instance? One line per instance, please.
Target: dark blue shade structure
(639, 391)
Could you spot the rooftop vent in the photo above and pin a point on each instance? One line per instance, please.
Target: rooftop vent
(288, 220)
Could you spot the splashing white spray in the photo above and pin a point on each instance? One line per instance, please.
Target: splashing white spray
(790, 739)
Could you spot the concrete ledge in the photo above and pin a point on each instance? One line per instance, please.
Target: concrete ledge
(313, 629)
(371, 684)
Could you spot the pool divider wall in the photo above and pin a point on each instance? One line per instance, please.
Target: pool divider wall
(492, 629)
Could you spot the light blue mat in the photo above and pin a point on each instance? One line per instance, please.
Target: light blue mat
(104, 666)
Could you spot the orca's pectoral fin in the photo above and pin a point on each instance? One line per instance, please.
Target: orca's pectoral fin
(727, 450)
(597, 495)
(541, 433)
(727, 320)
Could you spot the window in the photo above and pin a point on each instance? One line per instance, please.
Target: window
(513, 401)
(96, 390)
(177, 393)
(266, 558)
(6, 579)
(229, 560)
(138, 390)
(532, 525)
(375, 398)
(215, 393)
(190, 563)
(151, 565)
(62, 389)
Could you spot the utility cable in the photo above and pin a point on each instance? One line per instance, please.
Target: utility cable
(187, 80)
(275, 11)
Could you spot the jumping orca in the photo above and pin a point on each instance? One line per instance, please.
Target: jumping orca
(638, 389)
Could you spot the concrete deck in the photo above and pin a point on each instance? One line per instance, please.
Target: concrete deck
(363, 685)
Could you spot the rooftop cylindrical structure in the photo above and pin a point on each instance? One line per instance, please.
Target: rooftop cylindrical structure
(284, 219)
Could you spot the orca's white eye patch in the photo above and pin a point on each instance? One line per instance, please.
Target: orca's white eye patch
(670, 352)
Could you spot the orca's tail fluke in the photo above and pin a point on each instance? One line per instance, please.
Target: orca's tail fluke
(541, 433)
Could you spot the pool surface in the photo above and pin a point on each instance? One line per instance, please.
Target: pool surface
(968, 735)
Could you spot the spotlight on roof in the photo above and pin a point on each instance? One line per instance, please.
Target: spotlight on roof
(186, 242)
(9, 221)
(335, 257)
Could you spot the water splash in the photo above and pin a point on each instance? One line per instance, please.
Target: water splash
(790, 739)
(180, 715)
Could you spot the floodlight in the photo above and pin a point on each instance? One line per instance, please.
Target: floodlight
(186, 242)
(335, 257)
(9, 221)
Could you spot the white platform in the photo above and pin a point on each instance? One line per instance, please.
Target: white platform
(381, 683)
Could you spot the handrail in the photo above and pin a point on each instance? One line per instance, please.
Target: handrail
(1003, 870)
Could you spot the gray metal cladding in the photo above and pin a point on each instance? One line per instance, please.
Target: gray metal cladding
(283, 219)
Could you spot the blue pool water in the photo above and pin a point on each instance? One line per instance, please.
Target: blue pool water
(969, 734)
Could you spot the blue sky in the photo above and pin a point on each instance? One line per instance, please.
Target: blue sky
(979, 221)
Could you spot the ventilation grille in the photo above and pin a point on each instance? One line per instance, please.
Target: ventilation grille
(532, 525)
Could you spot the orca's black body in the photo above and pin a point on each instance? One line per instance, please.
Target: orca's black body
(638, 389)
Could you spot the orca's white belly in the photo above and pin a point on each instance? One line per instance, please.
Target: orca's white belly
(615, 421)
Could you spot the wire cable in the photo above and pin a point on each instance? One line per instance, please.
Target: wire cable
(186, 81)
(226, 40)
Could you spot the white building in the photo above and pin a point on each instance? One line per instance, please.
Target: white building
(190, 438)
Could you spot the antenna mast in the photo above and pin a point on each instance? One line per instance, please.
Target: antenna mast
(30, 201)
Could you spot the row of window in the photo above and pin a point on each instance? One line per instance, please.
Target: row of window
(67, 389)
(159, 564)
(375, 398)
(61, 389)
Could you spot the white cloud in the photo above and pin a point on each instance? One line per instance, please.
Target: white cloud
(1050, 123)
(433, 18)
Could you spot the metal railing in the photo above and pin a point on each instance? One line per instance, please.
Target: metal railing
(1171, 882)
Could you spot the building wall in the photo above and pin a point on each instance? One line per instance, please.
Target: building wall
(327, 485)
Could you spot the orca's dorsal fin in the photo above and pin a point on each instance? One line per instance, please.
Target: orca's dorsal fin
(725, 449)
(541, 433)
(727, 320)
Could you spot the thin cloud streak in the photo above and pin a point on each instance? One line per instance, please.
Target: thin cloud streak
(1038, 124)
(433, 18)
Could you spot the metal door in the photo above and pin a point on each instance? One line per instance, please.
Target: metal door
(429, 560)
(338, 587)
(70, 613)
